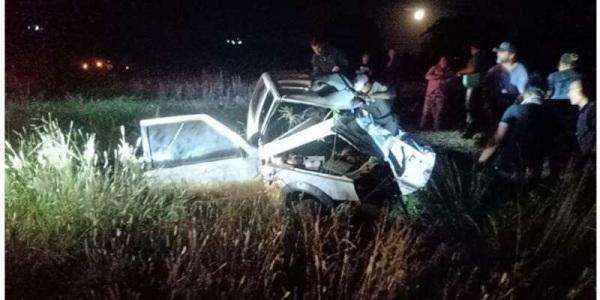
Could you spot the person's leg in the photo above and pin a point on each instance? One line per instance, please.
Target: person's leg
(469, 125)
(426, 111)
(438, 106)
(468, 105)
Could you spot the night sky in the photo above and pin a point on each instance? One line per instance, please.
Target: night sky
(193, 33)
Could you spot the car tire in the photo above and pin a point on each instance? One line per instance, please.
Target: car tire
(302, 202)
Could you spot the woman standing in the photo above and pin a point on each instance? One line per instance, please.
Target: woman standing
(437, 78)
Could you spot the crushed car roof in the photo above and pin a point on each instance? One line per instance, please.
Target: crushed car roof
(295, 88)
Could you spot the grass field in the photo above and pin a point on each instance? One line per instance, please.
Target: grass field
(82, 223)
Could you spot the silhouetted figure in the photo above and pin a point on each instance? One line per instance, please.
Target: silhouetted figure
(472, 74)
(523, 138)
(365, 67)
(391, 72)
(558, 82)
(586, 119)
(326, 59)
(377, 99)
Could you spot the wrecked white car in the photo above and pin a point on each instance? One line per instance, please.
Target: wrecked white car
(312, 146)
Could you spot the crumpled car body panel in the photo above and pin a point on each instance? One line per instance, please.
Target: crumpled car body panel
(199, 149)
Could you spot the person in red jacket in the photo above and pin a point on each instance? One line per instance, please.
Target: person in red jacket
(437, 78)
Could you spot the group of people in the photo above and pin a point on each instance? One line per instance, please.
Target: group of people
(503, 102)
(516, 112)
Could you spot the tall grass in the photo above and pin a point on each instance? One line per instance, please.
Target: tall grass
(79, 228)
(103, 108)
(82, 222)
(113, 235)
(59, 189)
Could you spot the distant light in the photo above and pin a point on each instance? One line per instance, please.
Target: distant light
(84, 66)
(28, 27)
(419, 14)
(99, 64)
(239, 42)
(127, 68)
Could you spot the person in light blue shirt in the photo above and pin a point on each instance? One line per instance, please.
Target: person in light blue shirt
(558, 82)
(507, 59)
(504, 82)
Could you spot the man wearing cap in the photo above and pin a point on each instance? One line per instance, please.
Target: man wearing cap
(378, 100)
(504, 82)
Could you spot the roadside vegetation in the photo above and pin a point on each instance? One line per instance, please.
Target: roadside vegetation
(81, 222)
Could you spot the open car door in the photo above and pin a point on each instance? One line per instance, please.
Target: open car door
(261, 105)
(196, 149)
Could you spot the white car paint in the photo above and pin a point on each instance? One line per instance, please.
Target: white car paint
(252, 162)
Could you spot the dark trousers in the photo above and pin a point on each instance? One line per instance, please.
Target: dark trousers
(473, 108)
(495, 106)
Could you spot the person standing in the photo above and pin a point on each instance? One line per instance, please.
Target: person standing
(586, 118)
(391, 73)
(326, 59)
(504, 82)
(523, 137)
(472, 73)
(438, 78)
(558, 82)
(365, 66)
(377, 99)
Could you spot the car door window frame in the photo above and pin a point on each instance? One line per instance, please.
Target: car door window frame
(240, 145)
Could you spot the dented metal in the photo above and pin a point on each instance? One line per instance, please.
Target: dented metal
(199, 149)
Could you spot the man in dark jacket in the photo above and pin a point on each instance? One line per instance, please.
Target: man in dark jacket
(326, 59)
(586, 118)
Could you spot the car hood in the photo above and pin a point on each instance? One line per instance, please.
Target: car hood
(410, 162)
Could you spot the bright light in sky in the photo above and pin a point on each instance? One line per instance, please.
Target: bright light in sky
(419, 14)
(35, 27)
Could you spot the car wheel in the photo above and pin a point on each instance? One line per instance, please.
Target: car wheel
(302, 202)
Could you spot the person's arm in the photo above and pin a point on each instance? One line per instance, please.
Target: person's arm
(388, 94)
(466, 70)
(494, 142)
(508, 118)
(431, 74)
(448, 74)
